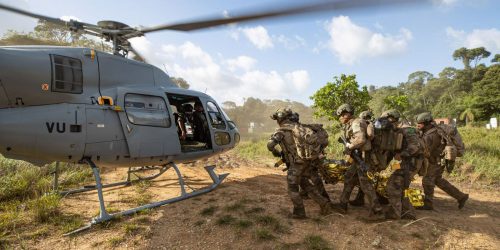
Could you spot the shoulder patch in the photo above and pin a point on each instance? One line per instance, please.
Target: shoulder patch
(411, 131)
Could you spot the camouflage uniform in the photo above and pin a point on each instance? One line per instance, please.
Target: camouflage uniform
(355, 132)
(411, 152)
(300, 173)
(434, 176)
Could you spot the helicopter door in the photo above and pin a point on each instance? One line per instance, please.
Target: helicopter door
(221, 136)
(147, 125)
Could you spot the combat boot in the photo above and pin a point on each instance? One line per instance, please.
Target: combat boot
(299, 213)
(427, 206)
(461, 202)
(339, 207)
(359, 200)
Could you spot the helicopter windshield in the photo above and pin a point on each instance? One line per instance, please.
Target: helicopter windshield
(231, 124)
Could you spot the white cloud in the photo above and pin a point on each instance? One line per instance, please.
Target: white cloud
(241, 62)
(224, 79)
(488, 38)
(350, 42)
(259, 37)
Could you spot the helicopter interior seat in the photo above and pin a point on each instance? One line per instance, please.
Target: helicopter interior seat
(196, 138)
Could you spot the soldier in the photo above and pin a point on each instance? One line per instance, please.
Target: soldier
(315, 178)
(354, 130)
(370, 133)
(299, 171)
(411, 152)
(435, 144)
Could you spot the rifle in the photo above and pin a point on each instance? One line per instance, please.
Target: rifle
(355, 154)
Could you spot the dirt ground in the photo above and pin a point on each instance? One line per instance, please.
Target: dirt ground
(250, 210)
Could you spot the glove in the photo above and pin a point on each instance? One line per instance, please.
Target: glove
(276, 153)
(450, 165)
(348, 145)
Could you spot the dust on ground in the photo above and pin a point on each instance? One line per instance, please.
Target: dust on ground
(251, 210)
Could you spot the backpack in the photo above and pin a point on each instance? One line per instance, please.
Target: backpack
(385, 138)
(454, 142)
(310, 140)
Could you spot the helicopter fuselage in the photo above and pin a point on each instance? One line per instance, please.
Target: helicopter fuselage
(66, 104)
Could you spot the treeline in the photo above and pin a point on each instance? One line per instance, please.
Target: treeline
(471, 95)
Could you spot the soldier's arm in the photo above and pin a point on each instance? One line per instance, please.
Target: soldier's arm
(359, 135)
(275, 139)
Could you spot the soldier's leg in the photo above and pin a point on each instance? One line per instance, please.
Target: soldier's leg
(360, 198)
(451, 190)
(318, 183)
(395, 194)
(369, 190)
(293, 180)
(312, 191)
(429, 183)
(350, 180)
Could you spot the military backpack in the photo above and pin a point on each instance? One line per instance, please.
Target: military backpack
(310, 140)
(454, 144)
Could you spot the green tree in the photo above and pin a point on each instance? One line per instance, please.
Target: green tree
(496, 58)
(487, 93)
(468, 55)
(399, 102)
(343, 89)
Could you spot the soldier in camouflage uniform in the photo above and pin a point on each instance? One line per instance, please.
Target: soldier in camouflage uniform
(367, 116)
(299, 171)
(354, 130)
(411, 152)
(435, 144)
(315, 177)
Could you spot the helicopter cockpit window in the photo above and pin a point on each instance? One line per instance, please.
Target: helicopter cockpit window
(147, 110)
(67, 74)
(215, 116)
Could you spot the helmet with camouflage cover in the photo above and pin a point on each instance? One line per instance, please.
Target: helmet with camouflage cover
(345, 108)
(424, 117)
(282, 114)
(366, 115)
(391, 113)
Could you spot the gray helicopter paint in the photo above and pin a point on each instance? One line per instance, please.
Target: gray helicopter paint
(43, 132)
(39, 130)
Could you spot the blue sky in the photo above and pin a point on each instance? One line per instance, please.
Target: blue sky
(289, 58)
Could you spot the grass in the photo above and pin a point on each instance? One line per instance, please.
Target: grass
(45, 207)
(243, 223)
(253, 149)
(131, 229)
(316, 242)
(225, 220)
(482, 151)
(115, 241)
(264, 234)
(272, 222)
(208, 211)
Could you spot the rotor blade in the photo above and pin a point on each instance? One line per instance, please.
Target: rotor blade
(296, 10)
(138, 56)
(45, 18)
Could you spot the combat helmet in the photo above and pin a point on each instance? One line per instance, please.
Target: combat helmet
(282, 114)
(366, 115)
(391, 113)
(424, 117)
(345, 108)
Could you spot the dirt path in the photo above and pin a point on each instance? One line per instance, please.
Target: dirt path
(250, 210)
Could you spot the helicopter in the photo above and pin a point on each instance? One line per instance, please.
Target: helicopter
(80, 105)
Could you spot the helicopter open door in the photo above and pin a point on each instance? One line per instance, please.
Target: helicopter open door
(147, 124)
(219, 126)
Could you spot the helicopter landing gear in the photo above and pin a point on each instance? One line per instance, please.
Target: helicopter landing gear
(131, 171)
(105, 216)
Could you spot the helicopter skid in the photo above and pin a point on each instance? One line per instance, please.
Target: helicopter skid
(128, 181)
(105, 216)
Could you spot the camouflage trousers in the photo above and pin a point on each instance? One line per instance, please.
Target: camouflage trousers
(305, 177)
(433, 178)
(399, 205)
(352, 177)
